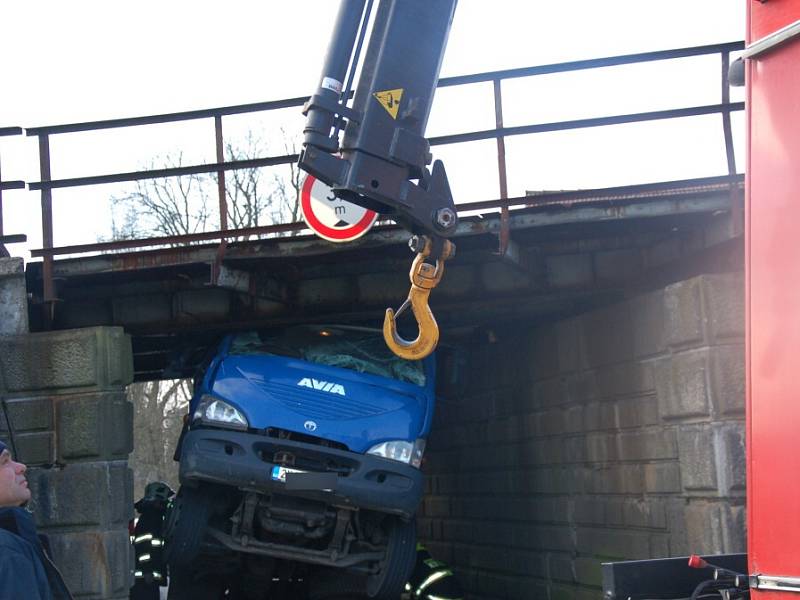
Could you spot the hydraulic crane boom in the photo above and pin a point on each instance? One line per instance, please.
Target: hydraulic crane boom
(382, 160)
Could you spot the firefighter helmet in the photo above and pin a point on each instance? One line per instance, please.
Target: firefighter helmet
(158, 490)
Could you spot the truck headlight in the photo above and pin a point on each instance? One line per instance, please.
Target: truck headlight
(218, 412)
(401, 450)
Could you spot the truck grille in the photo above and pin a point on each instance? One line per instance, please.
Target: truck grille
(322, 405)
(307, 459)
(285, 434)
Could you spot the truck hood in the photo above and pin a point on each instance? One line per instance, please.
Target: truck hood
(355, 409)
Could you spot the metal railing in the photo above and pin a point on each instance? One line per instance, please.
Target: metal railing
(9, 185)
(500, 132)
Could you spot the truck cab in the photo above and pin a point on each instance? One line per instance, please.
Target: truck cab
(302, 451)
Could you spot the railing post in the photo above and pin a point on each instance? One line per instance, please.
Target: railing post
(737, 211)
(501, 168)
(726, 115)
(48, 293)
(223, 204)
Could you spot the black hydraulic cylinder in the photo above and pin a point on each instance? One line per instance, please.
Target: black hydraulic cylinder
(399, 74)
(320, 122)
(384, 157)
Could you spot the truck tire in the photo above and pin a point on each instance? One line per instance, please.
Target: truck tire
(186, 524)
(396, 567)
(184, 584)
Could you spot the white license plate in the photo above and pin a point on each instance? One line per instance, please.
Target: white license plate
(279, 473)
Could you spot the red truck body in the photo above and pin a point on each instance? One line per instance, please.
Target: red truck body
(773, 296)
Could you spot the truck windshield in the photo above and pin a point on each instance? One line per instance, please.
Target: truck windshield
(358, 349)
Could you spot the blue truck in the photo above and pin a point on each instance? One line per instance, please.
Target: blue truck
(301, 455)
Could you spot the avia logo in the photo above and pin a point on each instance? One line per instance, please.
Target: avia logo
(323, 386)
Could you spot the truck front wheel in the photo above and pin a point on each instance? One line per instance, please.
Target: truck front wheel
(186, 525)
(398, 562)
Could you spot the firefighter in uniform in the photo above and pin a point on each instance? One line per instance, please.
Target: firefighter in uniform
(431, 580)
(148, 542)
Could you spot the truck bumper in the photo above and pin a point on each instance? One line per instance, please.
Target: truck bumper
(341, 478)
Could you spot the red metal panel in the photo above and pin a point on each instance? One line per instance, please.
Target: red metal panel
(773, 303)
(767, 16)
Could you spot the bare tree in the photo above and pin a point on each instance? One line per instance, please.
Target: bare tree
(159, 407)
(187, 204)
(169, 206)
(244, 188)
(289, 188)
(254, 200)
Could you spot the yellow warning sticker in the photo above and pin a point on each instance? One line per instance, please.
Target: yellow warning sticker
(390, 100)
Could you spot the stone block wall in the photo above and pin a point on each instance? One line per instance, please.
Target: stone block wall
(616, 434)
(73, 427)
(13, 297)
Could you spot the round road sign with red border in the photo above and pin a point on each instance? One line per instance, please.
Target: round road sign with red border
(331, 218)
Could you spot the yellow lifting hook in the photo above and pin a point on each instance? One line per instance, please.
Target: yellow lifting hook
(424, 277)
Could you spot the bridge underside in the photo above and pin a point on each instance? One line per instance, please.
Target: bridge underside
(567, 254)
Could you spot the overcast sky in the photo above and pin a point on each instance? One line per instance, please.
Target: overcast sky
(77, 61)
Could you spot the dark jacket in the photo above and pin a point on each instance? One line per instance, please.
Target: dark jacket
(26, 571)
(432, 579)
(148, 546)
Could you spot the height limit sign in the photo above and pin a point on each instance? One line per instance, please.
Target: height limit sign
(331, 218)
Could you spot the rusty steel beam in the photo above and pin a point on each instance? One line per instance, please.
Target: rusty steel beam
(167, 240)
(619, 194)
(451, 313)
(281, 248)
(613, 194)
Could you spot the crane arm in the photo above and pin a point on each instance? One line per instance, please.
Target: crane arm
(383, 161)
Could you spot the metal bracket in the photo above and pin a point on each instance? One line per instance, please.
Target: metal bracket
(775, 583)
(513, 255)
(342, 521)
(772, 41)
(248, 515)
(216, 266)
(333, 106)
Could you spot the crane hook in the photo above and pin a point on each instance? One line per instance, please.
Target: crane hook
(424, 277)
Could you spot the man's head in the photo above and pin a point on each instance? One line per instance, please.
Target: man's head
(13, 485)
